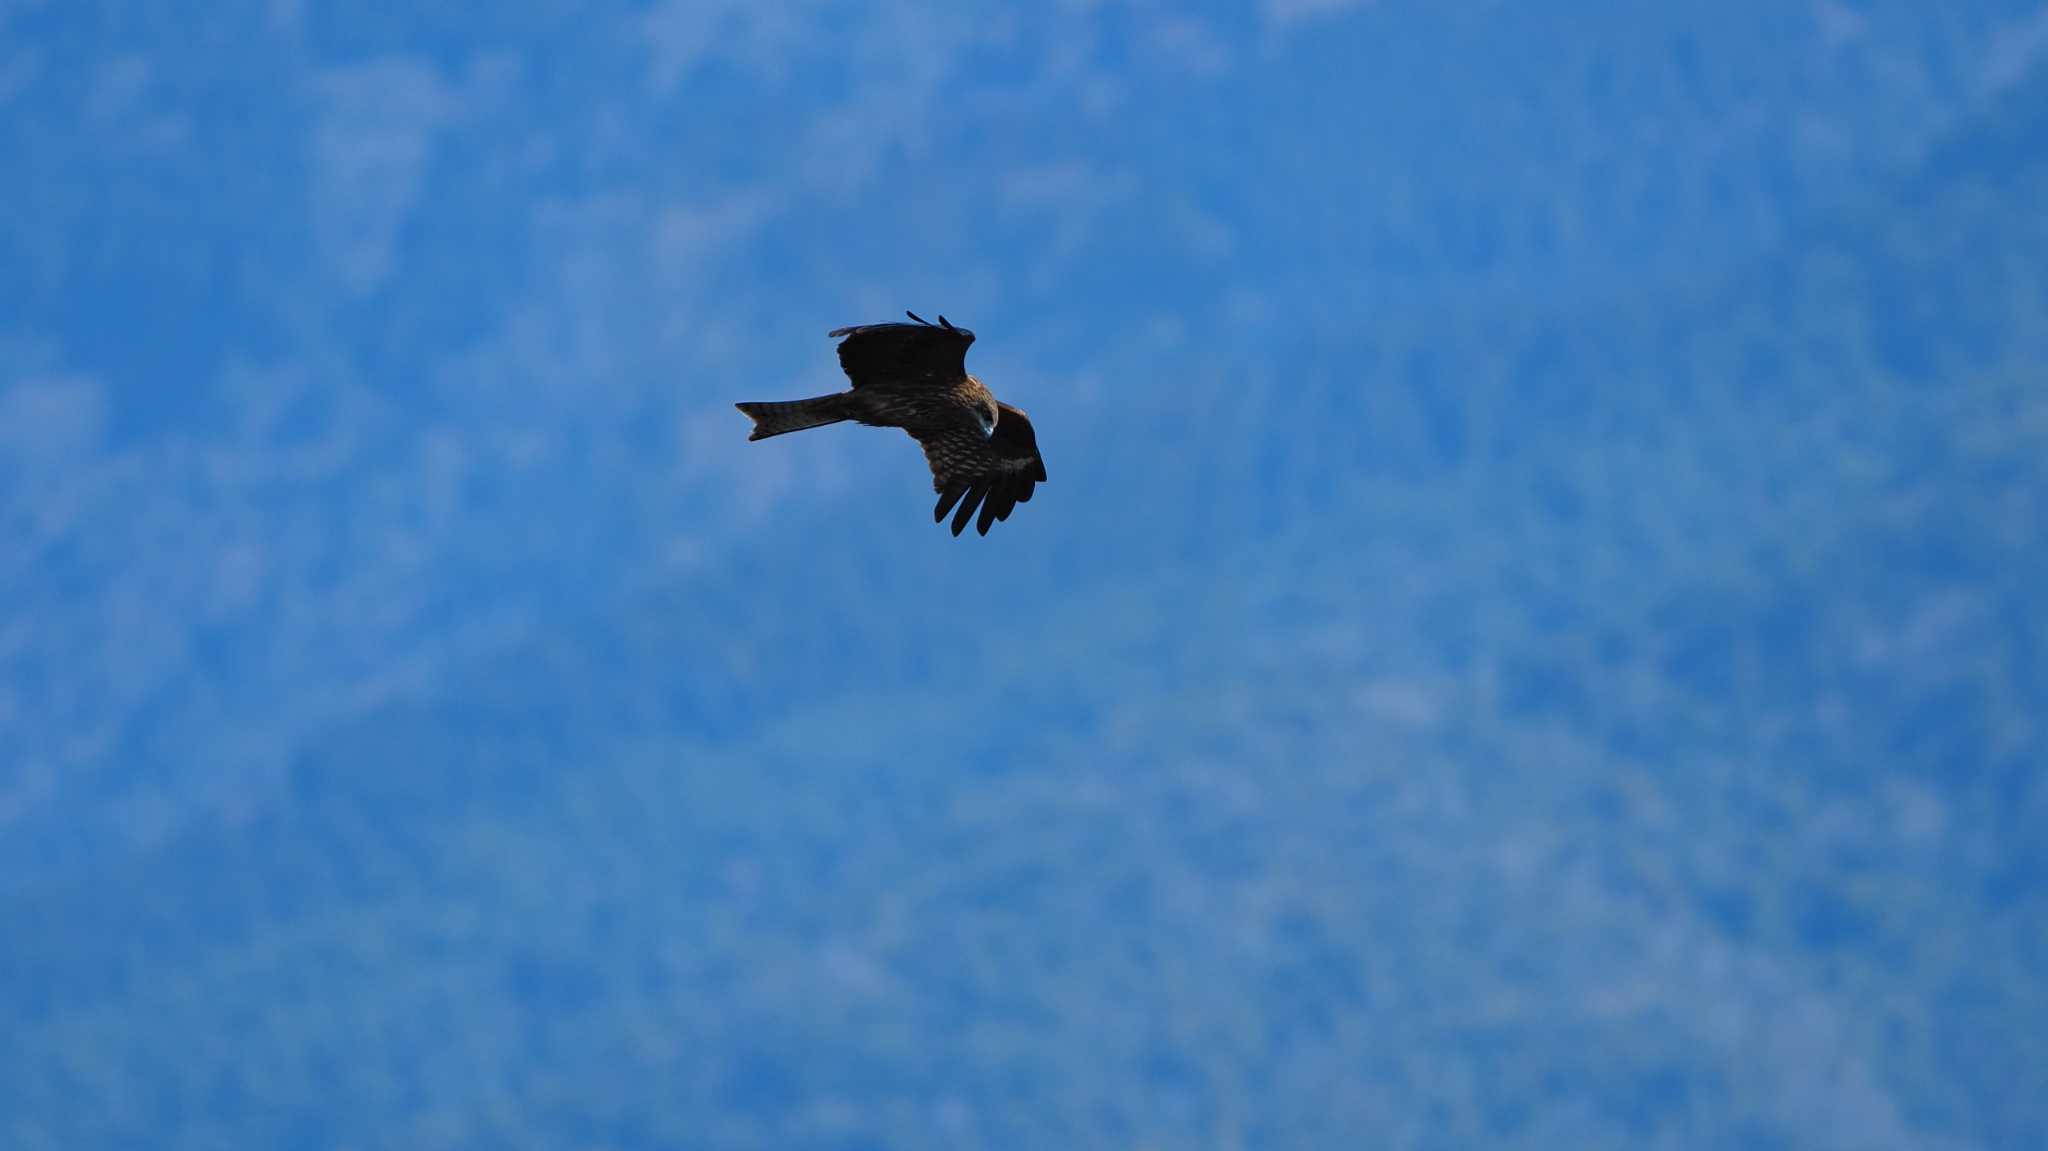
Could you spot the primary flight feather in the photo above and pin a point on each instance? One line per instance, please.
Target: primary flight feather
(983, 453)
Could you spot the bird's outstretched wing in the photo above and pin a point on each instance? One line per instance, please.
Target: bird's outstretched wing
(904, 354)
(996, 472)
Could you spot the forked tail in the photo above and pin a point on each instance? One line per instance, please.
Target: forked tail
(777, 417)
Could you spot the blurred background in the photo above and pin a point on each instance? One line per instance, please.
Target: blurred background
(1535, 636)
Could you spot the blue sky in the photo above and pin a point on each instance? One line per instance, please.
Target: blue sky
(1530, 638)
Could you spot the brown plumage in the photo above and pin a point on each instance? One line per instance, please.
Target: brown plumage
(982, 453)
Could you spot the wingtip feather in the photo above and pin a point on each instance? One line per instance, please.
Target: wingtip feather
(975, 494)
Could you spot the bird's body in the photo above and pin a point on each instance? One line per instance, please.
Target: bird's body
(914, 376)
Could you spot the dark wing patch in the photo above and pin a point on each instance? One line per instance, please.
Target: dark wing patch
(919, 354)
(993, 474)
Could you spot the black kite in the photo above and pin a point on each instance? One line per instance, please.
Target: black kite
(914, 376)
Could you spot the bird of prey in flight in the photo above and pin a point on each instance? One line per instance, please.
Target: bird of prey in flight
(914, 376)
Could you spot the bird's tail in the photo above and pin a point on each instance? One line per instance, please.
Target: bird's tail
(775, 418)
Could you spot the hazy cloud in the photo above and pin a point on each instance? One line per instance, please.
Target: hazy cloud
(371, 150)
(2015, 49)
(51, 421)
(904, 59)
(1072, 195)
(1286, 13)
(686, 235)
(681, 35)
(1191, 44)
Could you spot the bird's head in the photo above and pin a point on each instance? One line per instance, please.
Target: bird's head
(986, 414)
